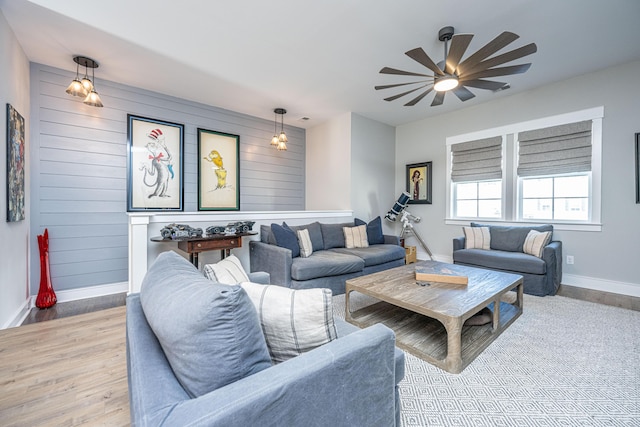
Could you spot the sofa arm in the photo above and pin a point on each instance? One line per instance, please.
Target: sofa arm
(336, 384)
(552, 256)
(261, 277)
(391, 240)
(458, 243)
(272, 259)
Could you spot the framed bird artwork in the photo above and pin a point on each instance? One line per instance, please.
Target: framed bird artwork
(218, 171)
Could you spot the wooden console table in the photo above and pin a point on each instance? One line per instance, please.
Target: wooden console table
(194, 245)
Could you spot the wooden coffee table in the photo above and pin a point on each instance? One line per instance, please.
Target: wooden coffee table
(428, 320)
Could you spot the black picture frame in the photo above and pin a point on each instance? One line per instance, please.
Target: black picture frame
(155, 165)
(638, 167)
(218, 171)
(420, 186)
(15, 165)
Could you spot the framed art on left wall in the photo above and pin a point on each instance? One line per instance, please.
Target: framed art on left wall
(15, 165)
(154, 165)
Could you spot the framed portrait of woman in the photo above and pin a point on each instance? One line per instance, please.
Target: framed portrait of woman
(419, 183)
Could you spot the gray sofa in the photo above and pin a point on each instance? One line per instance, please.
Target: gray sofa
(542, 276)
(350, 381)
(330, 264)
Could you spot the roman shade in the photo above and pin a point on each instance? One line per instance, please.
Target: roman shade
(555, 150)
(477, 160)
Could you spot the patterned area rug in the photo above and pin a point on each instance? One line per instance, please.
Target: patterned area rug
(564, 362)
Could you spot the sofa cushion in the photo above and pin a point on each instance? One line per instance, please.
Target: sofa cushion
(507, 238)
(293, 321)
(306, 248)
(501, 260)
(332, 234)
(228, 271)
(286, 238)
(535, 242)
(375, 254)
(324, 264)
(266, 236)
(315, 234)
(209, 332)
(374, 230)
(355, 237)
(477, 238)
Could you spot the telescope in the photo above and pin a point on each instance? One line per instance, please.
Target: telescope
(399, 208)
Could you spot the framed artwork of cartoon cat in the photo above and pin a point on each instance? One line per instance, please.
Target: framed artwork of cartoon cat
(218, 171)
(155, 151)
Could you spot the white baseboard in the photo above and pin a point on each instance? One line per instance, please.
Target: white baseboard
(20, 315)
(88, 292)
(602, 285)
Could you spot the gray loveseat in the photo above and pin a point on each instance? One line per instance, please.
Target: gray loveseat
(350, 381)
(331, 263)
(542, 276)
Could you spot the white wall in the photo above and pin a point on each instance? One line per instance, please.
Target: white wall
(606, 260)
(328, 165)
(14, 90)
(372, 169)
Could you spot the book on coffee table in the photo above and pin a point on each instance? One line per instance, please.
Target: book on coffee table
(441, 274)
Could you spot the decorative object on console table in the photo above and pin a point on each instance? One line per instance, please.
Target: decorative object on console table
(441, 273)
(218, 171)
(419, 183)
(15, 165)
(638, 167)
(46, 296)
(154, 165)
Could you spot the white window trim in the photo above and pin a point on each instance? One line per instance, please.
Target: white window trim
(509, 210)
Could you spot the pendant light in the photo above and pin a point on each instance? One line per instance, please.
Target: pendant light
(85, 87)
(280, 141)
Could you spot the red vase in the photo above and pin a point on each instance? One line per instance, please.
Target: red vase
(46, 296)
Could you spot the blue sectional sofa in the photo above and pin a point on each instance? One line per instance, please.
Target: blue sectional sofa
(541, 275)
(350, 381)
(330, 264)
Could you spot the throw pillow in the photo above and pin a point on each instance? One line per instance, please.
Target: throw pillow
(355, 237)
(209, 332)
(535, 242)
(286, 238)
(477, 238)
(293, 321)
(374, 230)
(332, 235)
(228, 271)
(306, 248)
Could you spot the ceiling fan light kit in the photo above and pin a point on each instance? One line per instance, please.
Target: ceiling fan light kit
(456, 74)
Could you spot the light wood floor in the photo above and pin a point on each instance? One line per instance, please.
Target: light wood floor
(65, 372)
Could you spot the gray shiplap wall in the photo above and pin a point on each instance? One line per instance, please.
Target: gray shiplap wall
(79, 171)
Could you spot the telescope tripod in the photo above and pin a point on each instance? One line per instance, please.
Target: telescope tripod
(407, 228)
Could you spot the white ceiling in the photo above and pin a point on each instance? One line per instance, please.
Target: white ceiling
(317, 59)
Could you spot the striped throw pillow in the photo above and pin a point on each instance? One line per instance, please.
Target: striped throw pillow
(228, 271)
(535, 242)
(355, 237)
(477, 238)
(306, 248)
(293, 321)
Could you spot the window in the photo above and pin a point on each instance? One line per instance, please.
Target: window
(545, 170)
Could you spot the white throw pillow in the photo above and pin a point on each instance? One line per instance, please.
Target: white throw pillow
(355, 237)
(535, 242)
(306, 248)
(228, 271)
(293, 321)
(477, 238)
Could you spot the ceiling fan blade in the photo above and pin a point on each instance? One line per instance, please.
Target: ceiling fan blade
(420, 56)
(487, 50)
(500, 71)
(483, 84)
(463, 93)
(396, 85)
(400, 95)
(417, 99)
(438, 99)
(459, 45)
(387, 70)
(502, 59)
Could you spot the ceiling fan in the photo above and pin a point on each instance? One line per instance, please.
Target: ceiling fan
(455, 75)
